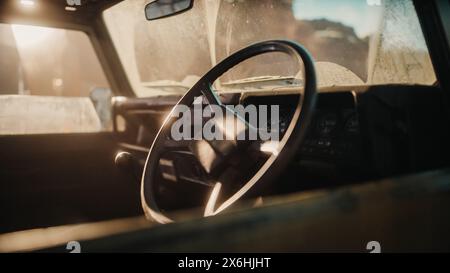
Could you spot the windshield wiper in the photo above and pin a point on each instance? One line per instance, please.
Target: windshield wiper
(162, 84)
(262, 82)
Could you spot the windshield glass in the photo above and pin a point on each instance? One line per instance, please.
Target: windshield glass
(354, 42)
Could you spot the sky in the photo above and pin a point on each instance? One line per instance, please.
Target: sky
(363, 15)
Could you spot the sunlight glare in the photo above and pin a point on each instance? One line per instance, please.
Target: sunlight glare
(30, 36)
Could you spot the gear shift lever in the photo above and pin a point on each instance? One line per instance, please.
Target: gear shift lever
(127, 163)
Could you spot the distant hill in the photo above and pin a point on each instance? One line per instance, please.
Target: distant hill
(335, 42)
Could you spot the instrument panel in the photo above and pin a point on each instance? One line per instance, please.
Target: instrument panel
(334, 134)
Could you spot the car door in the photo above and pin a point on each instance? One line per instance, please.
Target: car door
(56, 139)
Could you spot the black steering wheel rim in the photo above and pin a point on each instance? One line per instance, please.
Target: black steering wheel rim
(275, 164)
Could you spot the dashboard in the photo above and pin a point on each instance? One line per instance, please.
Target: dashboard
(356, 133)
(332, 151)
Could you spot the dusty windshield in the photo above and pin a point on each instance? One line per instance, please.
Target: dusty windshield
(354, 42)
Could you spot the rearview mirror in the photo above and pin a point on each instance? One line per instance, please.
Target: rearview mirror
(165, 8)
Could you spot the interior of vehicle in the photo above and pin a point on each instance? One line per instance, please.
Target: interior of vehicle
(88, 92)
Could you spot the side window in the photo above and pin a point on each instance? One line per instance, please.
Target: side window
(50, 82)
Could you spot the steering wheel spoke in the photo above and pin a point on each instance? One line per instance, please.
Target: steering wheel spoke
(210, 95)
(211, 204)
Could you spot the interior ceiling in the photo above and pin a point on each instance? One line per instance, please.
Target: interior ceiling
(52, 12)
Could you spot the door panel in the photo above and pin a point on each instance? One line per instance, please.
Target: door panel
(48, 180)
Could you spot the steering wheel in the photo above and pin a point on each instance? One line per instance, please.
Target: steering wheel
(277, 161)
